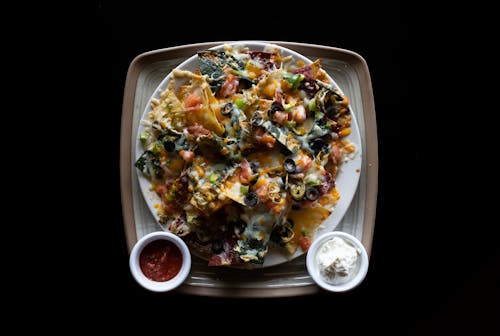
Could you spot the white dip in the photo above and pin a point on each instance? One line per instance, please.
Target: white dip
(338, 261)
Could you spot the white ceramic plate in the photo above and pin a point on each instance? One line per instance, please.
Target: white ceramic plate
(346, 180)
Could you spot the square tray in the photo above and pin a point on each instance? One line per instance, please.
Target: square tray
(350, 72)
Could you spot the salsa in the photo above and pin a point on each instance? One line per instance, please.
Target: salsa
(160, 260)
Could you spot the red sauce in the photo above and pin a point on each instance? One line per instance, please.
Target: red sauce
(160, 260)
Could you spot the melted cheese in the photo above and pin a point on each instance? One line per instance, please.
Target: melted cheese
(232, 189)
(307, 220)
(205, 115)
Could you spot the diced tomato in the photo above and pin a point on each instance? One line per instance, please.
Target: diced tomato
(187, 156)
(281, 117)
(305, 243)
(229, 87)
(262, 193)
(197, 130)
(215, 260)
(336, 154)
(299, 114)
(192, 102)
(245, 172)
(264, 138)
(304, 162)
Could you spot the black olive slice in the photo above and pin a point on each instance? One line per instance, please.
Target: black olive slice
(169, 145)
(318, 145)
(311, 194)
(227, 109)
(251, 199)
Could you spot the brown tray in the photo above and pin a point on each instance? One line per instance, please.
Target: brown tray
(350, 72)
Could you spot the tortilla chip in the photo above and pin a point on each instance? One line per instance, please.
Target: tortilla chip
(232, 190)
(306, 220)
(206, 115)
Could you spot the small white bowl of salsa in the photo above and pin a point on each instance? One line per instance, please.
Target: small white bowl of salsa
(160, 261)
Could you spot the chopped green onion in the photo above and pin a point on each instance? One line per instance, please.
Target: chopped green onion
(190, 218)
(240, 73)
(240, 103)
(313, 183)
(213, 177)
(244, 189)
(144, 137)
(290, 124)
(157, 146)
(312, 105)
(293, 79)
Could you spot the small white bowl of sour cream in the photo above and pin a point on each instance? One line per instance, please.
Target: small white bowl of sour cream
(337, 261)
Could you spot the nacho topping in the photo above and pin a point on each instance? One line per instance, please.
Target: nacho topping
(244, 151)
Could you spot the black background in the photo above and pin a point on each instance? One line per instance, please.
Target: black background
(424, 276)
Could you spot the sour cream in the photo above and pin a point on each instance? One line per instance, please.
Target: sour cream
(338, 261)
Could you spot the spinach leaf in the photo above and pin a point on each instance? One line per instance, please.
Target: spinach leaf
(149, 164)
(215, 76)
(225, 148)
(211, 64)
(283, 135)
(253, 249)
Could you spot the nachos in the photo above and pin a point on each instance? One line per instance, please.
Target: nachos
(243, 153)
